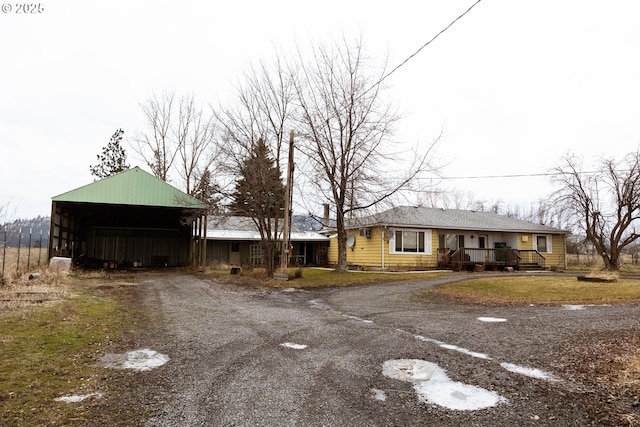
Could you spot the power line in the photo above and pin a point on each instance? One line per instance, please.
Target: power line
(523, 175)
(426, 44)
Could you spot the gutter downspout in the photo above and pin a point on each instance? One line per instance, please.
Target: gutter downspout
(383, 232)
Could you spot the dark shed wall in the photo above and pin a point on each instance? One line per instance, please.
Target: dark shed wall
(126, 247)
(218, 251)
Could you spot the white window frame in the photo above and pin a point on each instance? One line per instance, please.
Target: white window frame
(255, 254)
(427, 241)
(548, 239)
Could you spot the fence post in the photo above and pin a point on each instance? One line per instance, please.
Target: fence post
(19, 242)
(4, 250)
(29, 249)
(40, 248)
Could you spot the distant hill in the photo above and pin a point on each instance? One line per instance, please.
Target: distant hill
(308, 222)
(38, 228)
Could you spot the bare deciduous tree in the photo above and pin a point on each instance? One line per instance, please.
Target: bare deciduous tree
(605, 204)
(259, 122)
(346, 128)
(263, 112)
(196, 142)
(157, 146)
(180, 143)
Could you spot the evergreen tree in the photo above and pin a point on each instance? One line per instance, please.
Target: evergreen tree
(208, 191)
(113, 159)
(259, 192)
(260, 195)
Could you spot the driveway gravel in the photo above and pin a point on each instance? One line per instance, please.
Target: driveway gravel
(265, 357)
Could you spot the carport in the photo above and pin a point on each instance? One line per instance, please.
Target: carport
(131, 219)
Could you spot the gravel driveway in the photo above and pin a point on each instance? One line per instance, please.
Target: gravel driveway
(265, 357)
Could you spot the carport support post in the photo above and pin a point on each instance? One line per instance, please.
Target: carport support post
(203, 247)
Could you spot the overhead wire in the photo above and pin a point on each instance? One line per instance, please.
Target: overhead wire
(410, 57)
(523, 175)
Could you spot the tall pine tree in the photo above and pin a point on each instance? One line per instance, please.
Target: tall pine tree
(113, 159)
(260, 195)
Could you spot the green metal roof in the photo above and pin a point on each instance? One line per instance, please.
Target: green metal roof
(132, 187)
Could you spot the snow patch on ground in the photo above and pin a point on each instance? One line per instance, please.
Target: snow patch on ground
(359, 319)
(574, 307)
(378, 394)
(316, 303)
(582, 306)
(465, 351)
(426, 339)
(139, 360)
(530, 372)
(77, 397)
(453, 347)
(433, 385)
(292, 290)
(492, 319)
(294, 346)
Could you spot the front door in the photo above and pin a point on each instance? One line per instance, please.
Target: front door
(482, 241)
(234, 254)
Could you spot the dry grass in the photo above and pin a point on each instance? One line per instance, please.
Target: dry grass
(49, 349)
(540, 290)
(314, 277)
(22, 288)
(14, 260)
(594, 264)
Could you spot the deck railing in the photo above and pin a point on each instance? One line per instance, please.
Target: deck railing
(499, 257)
(532, 257)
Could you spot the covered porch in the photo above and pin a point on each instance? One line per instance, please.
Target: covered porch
(490, 259)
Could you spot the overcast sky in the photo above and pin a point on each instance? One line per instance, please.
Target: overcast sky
(514, 84)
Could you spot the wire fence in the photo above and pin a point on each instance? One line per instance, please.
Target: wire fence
(28, 253)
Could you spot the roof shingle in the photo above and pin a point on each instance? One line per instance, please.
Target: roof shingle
(456, 219)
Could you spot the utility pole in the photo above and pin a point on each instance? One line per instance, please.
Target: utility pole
(284, 258)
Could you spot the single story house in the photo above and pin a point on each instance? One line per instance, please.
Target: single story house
(235, 240)
(422, 238)
(130, 219)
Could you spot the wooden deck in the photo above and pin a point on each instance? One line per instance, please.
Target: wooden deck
(490, 259)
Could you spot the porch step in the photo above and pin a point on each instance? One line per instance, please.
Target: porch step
(531, 266)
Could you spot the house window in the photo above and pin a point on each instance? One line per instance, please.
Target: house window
(543, 244)
(409, 241)
(449, 241)
(255, 254)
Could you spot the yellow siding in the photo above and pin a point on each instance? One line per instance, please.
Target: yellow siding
(557, 257)
(413, 260)
(525, 242)
(367, 252)
(332, 251)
